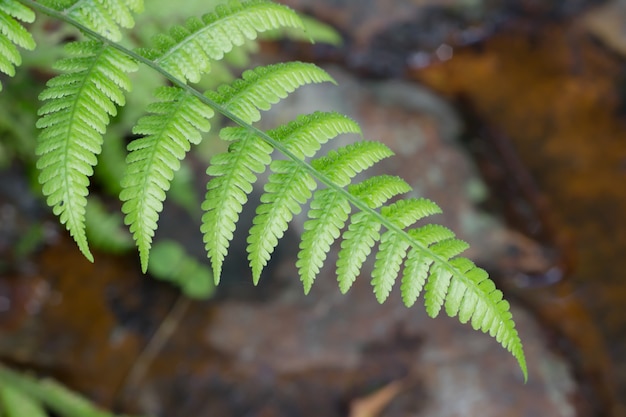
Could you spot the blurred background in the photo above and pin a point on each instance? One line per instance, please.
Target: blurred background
(510, 114)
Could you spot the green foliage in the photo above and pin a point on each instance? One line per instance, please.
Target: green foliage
(12, 33)
(176, 122)
(104, 229)
(169, 262)
(80, 101)
(186, 51)
(82, 98)
(23, 395)
(17, 404)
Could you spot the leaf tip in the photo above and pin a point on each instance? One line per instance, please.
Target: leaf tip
(144, 258)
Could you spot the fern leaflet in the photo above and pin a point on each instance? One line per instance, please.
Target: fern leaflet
(287, 189)
(176, 122)
(327, 216)
(304, 136)
(258, 89)
(186, 52)
(103, 17)
(73, 120)
(341, 165)
(12, 33)
(233, 175)
(14, 402)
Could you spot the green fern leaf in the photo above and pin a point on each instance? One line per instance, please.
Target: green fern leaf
(264, 86)
(103, 17)
(457, 290)
(377, 190)
(472, 295)
(16, 403)
(449, 248)
(431, 233)
(392, 250)
(304, 136)
(233, 175)
(105, 230)
(357, 243)
(314, 32)
(341, 165)
(436, 289)
(287, 189)
(73, 120)
(186, 52)
(414, 276)
(176, 122)
(404, 213)
(170, 262)
(327, 216)
(13, 33)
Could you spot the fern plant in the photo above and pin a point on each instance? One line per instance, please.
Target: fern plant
(365, 216)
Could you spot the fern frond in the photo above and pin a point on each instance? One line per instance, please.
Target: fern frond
(186, 52)
(12, 33)
(81, 101)
(105, 17)
(175, 123)
(74, 118)
(287, 189)
(264, 86)
(233, 175)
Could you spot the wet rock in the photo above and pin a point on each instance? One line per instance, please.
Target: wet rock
(606, 22)
(561, 112)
